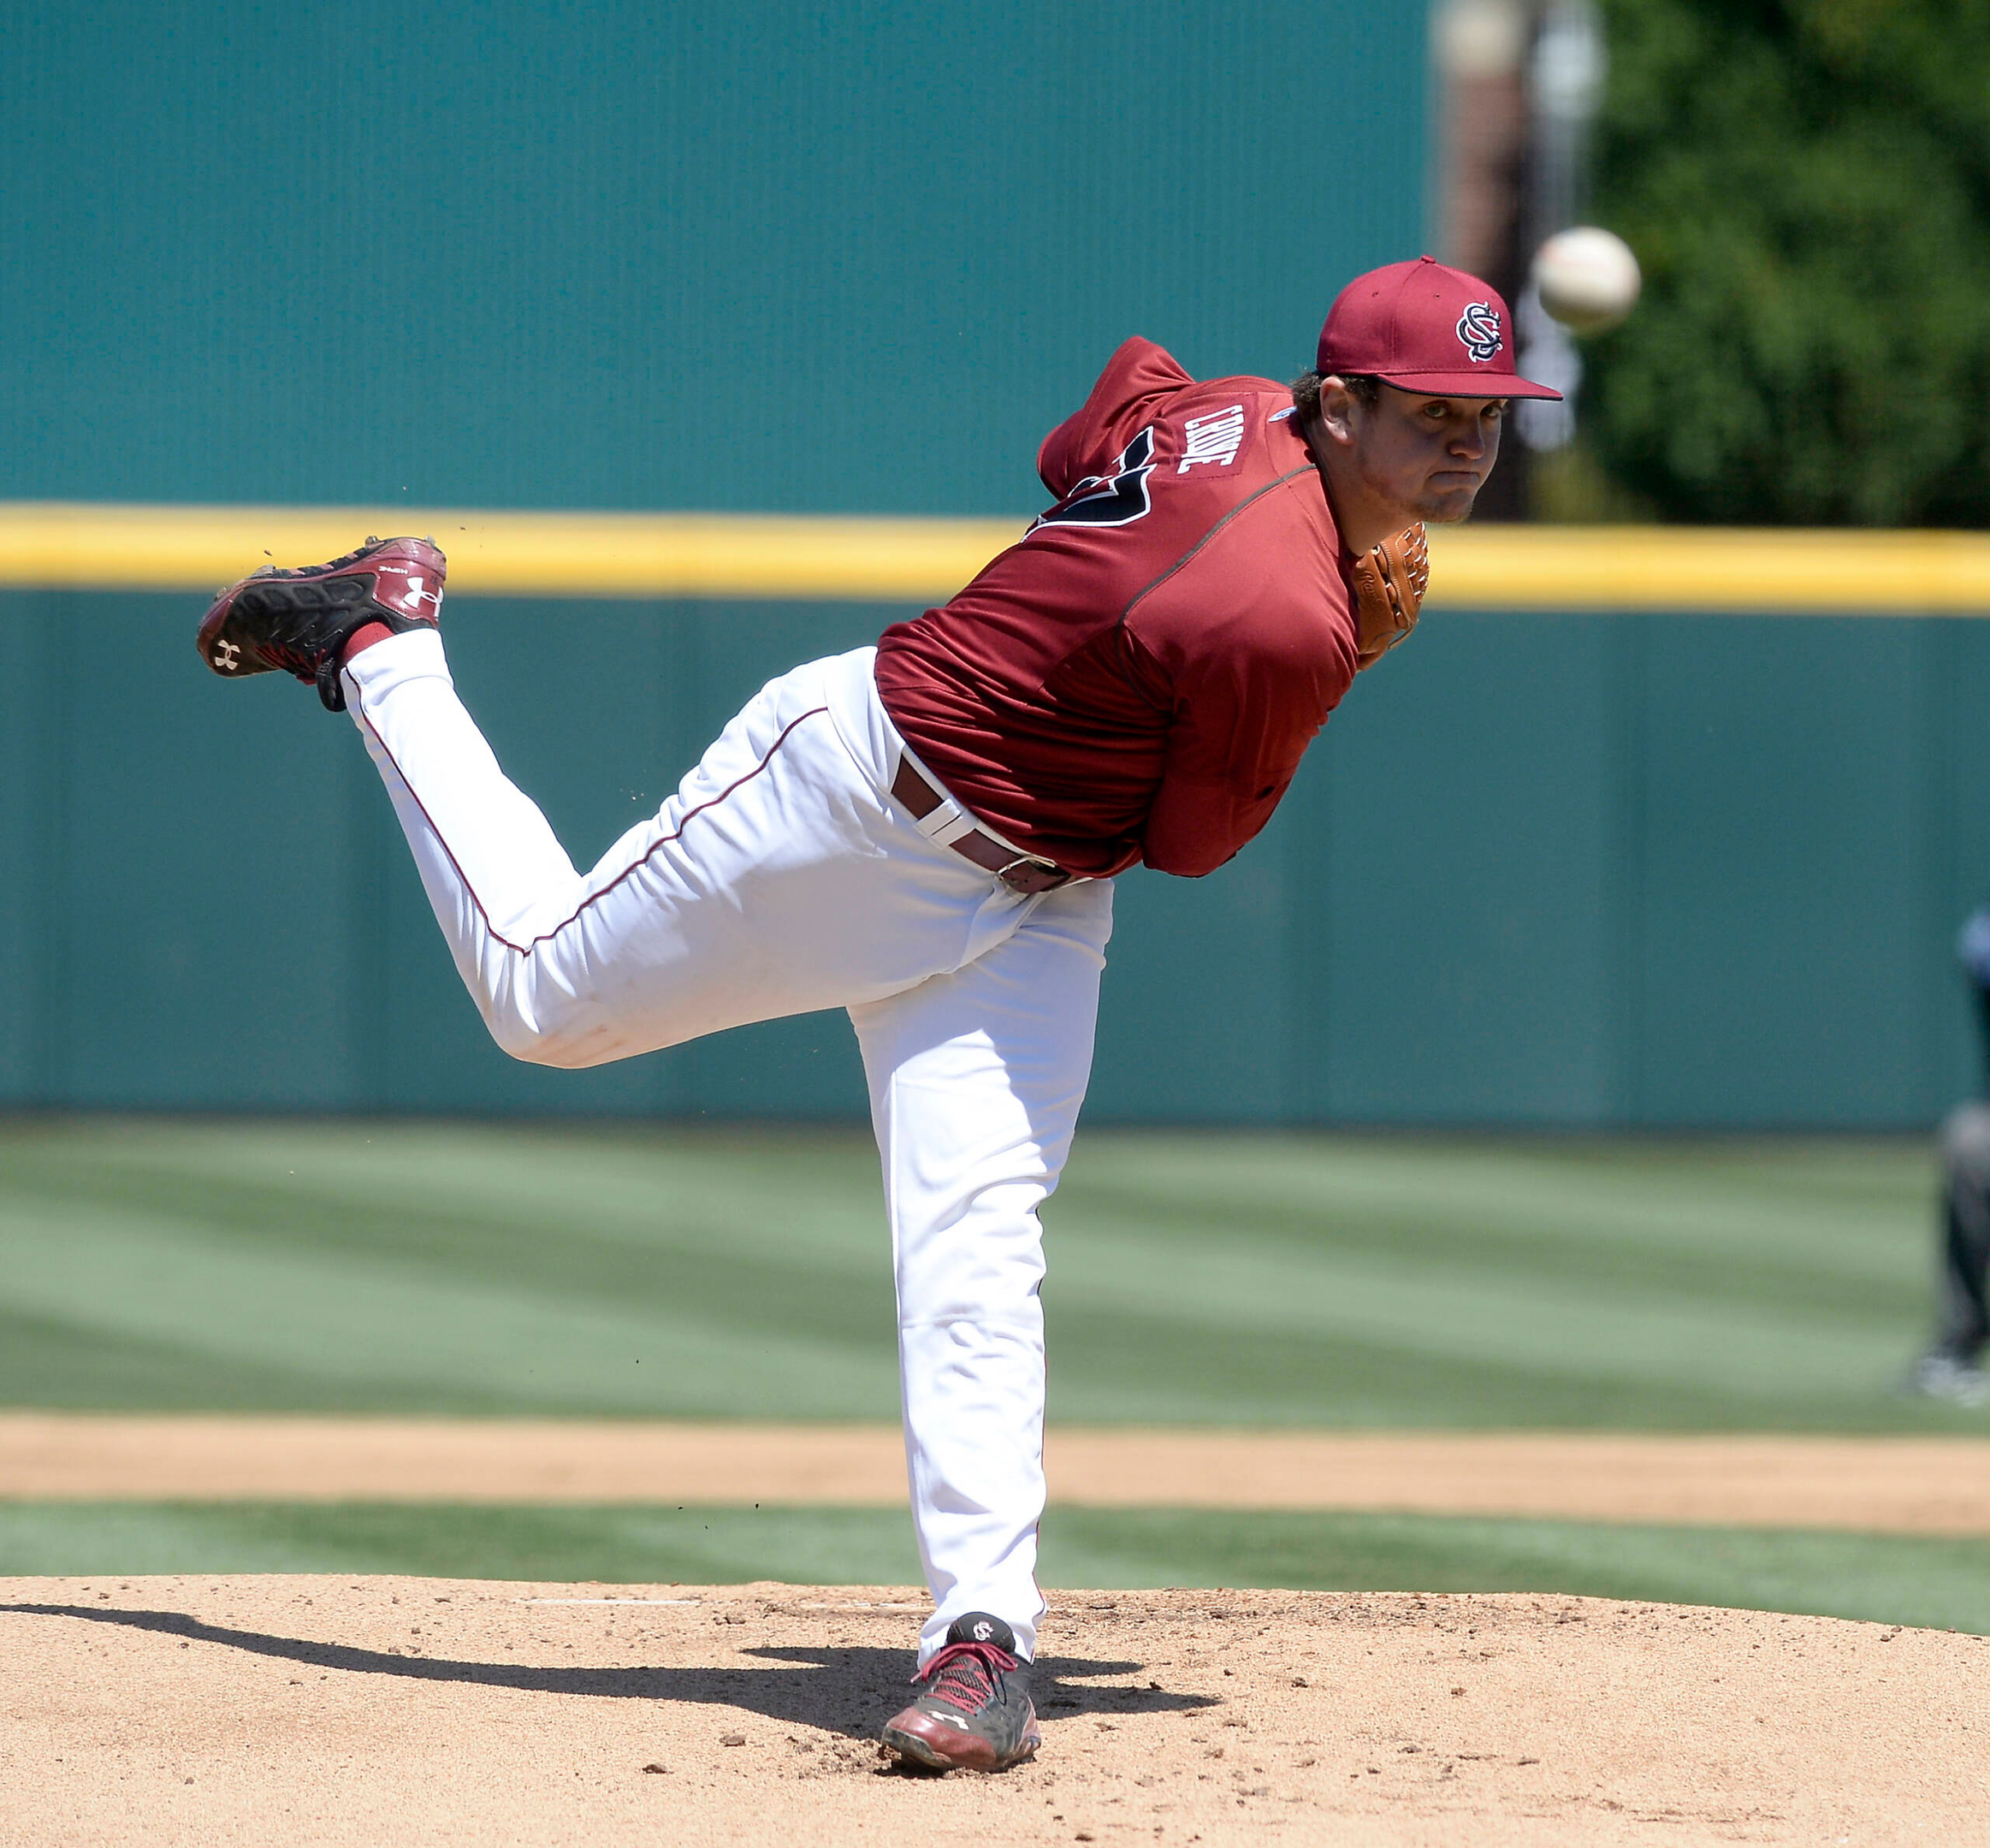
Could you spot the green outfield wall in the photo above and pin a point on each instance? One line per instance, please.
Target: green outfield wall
(1551, 865)
(789, 255)
(1544, 868)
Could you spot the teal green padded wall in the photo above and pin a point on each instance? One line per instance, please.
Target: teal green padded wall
(1543, 870)
(1648, 870)
(775, 255)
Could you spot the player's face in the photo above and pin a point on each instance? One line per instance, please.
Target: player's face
(1429, 456)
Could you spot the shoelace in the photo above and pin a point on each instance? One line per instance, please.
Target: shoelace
(963, 1674)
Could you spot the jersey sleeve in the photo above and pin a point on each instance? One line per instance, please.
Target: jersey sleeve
(1128, 396)
(1245, 705)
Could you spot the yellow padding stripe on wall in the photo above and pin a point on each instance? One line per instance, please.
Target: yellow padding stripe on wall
(88, 546)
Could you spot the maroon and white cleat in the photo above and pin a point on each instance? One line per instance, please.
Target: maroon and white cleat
(976, 1713)
(297, 621)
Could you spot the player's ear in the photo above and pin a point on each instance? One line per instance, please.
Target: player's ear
(1339, 409)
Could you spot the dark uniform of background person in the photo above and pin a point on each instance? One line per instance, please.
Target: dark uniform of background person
(1952, 1369)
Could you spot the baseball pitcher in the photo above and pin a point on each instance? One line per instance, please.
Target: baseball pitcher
(926, 833)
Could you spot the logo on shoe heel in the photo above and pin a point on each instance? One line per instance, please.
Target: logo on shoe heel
(226, 654)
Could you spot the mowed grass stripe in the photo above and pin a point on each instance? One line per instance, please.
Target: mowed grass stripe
(1794, 1219)
(1936, 1582)
(450, 1269)
(1248, 1279)
(368, 1320)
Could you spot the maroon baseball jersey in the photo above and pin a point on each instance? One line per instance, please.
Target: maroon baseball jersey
(1137, 678)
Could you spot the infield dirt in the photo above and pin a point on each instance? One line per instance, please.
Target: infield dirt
(342, 1710)
(1860, 1484)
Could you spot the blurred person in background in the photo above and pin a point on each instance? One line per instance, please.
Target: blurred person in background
(1951, 1368)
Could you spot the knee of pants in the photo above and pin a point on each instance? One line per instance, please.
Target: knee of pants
(540, 1024)
(1016, 1303)
(540, 1049)
(530, 1044)
(985, 1265)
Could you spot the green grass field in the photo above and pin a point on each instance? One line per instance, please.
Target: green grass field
(1195, 1278)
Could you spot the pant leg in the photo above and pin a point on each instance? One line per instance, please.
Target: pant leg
(1964, 1256)
(976, 1079)
(779, 878)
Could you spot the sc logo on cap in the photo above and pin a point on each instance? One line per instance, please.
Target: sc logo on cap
(1479, 327)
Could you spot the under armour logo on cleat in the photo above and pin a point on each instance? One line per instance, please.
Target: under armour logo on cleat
(413, 599)
(226, 654)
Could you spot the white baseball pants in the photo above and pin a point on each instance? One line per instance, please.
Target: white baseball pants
(782, 878)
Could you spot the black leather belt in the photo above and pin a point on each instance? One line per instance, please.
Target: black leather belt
(1021, 873)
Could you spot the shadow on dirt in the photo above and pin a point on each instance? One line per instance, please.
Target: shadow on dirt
(851, 1691)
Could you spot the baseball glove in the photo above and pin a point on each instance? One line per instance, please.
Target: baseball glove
(1389, 582)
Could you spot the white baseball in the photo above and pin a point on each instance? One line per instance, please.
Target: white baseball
(1588, 278)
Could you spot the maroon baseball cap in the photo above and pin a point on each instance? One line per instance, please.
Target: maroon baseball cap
(1424, 328)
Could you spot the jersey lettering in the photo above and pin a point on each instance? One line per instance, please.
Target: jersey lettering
(1116, 500)
(1215, 437)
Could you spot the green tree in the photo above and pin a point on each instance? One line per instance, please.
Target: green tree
(1807, 185)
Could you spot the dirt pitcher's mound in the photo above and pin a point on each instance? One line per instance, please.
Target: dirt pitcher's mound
(298, 1710)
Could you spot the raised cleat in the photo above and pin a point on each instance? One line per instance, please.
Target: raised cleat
(297, 621)
(976, 1713)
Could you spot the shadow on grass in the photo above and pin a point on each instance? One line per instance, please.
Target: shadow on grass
(835, 1689)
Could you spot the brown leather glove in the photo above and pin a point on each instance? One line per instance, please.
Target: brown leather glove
(1389, 582)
